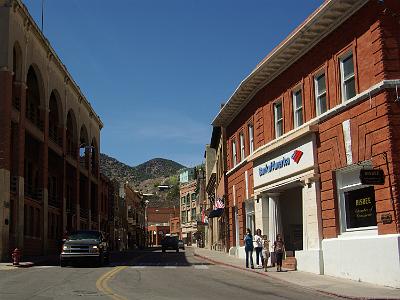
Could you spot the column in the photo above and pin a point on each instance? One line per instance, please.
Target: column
(275, 222)
(78, 211)
(45, 178)
(5, 140)
(21, 169)
(262, 213)
(64, 184)
(89, 185)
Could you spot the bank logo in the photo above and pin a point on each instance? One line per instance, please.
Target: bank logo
(296, 156)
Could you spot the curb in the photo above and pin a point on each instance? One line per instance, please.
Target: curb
(281, 279)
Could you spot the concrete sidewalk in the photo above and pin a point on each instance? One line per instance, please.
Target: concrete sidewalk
(322, 283)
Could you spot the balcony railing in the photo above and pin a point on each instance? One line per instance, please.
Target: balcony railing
(33, 192)
(54, 136)
(34, 116)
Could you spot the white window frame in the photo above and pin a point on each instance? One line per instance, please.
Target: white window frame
(297, 110)
(319, 94)
(276, 120)
(251, 138)
(345, 185)
(242, 150)
(343, 80)
(234, 153)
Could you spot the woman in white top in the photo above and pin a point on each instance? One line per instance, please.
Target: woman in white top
(258, 245)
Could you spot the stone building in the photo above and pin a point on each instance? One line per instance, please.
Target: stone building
(317, 114)
(50, 138)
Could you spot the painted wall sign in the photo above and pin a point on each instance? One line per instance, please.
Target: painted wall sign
(372, 176)
(289, 160)
(386, 218)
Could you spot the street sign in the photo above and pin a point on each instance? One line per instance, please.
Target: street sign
(372, 176)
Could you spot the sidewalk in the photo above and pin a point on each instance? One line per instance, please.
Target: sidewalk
(322, 283)
(30, 261)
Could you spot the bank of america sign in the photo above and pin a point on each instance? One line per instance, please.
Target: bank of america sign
(284, 163)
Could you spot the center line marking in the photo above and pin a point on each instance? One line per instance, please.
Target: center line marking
(170, 267)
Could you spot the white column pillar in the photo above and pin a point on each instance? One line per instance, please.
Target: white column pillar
(275, 222)
(262, 213)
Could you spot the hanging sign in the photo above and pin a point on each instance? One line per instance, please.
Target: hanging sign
(372, 176)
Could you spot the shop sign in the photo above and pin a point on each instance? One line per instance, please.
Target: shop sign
(285, 163)
(372, 176)
(386, 218)
(360, 207)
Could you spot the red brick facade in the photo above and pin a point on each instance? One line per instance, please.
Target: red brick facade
(372, 35)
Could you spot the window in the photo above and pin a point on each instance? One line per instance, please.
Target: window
(234, 155)
(193, 197)
(357, 201)
(278, 116)
(193, 214)
(347, 78)
(242, 154)
(251, 138)
(250, 216)
(320, 94)
(298, 108)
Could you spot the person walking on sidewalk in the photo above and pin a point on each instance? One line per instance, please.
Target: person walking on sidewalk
(248, 247)
(258, 247)
(265, 251)
(279, 249)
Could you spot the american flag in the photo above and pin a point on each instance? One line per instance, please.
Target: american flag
(219, 203)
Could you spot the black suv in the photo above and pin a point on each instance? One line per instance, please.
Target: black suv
(84, 245)
(170, 242)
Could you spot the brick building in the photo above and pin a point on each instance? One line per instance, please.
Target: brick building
(158, 222)
(322, 106)
(135, 217)
(192, 195)
(175, 227)
(50, 137)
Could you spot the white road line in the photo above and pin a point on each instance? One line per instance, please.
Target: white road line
(138, 267)
(44, 267)
(169, 267)
(201, 267)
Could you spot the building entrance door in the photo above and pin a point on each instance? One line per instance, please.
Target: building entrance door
(291, 209)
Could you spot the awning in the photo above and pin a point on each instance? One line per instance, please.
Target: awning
(216, 213)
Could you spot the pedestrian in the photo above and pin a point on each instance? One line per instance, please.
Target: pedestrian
(248, 247)
(265, 251)
(258, 246)
(279, 249)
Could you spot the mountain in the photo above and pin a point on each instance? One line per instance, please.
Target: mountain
(146, 177)
(152, 169)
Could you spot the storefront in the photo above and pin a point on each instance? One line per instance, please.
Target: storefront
(286, 197)
(360, 252)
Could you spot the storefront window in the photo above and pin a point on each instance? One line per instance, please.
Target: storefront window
(357, 201)
(360, 207)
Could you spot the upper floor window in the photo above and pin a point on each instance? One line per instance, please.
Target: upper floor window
(347, 78)
(278, 116)
(234, 154)
(297, 108)
(251, 138)
(242, 154)
(320, 94)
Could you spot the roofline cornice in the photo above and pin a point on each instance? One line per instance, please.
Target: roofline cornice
(330, 15)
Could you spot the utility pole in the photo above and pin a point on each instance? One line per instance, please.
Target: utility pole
(42, 13)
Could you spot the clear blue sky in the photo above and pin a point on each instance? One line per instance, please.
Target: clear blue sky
(156, 71)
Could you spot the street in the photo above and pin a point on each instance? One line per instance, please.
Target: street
(148, 274)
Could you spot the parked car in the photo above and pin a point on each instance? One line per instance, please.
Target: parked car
(169, 242)
(84, 245)
(181, 245)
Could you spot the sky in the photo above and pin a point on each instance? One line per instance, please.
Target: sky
(156, 71)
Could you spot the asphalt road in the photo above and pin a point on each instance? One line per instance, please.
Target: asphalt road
(146, 275)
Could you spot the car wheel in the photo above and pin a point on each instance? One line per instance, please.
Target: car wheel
(163, 250)
(63, 263)
(107, 259)
(177, 250)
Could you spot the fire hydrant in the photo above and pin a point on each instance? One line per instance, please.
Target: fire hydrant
(16, 256)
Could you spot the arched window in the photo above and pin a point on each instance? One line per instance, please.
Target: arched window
(71, 134)
(84, 147)
(33, 99)
(54, 119)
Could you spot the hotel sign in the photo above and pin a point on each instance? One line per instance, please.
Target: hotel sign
(284, 162)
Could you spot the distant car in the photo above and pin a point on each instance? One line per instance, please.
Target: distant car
(84, 245)
(169, 242)
(181, 245)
